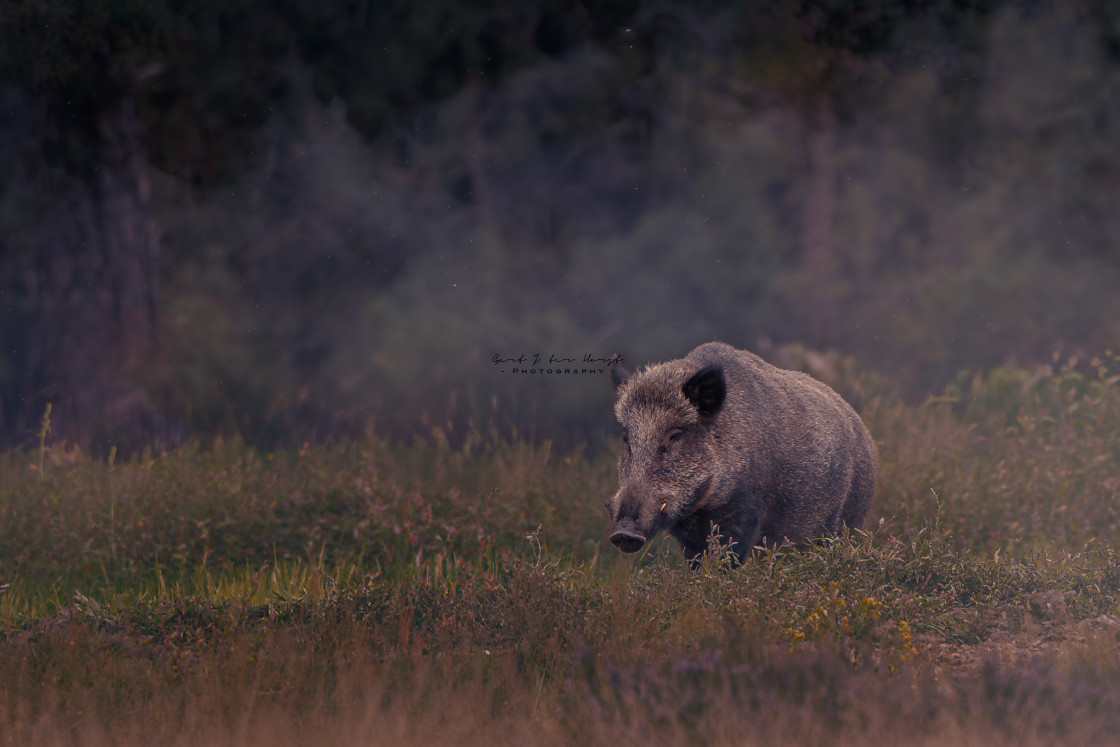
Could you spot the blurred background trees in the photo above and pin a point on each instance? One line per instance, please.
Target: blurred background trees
(295, 219)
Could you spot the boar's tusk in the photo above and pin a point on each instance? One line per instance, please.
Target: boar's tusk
(664, 506)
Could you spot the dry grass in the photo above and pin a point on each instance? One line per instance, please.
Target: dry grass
(377, 593)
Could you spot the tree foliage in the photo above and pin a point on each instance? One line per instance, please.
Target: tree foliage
(307, 208)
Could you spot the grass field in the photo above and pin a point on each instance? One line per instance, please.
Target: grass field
(375, 592)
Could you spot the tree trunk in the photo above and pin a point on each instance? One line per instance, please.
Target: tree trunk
(819, 262)
(94, 281)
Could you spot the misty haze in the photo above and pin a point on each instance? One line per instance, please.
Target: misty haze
(270, 223)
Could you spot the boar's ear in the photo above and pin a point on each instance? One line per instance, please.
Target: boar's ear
(619, 375)
(706, 389)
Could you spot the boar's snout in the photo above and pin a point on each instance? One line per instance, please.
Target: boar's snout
(627, 540)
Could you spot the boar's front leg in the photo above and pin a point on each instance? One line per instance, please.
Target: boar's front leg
(739, 529)
(692, 532)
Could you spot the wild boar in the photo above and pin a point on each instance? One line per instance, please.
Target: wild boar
(721, 439)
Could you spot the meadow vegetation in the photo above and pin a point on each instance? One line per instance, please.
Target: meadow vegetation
(460, 588)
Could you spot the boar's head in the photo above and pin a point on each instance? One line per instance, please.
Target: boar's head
(667, 414)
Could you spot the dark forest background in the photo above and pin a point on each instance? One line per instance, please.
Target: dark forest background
(299, 219)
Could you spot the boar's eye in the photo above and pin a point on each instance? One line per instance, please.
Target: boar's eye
(625, 436)
(670, 438)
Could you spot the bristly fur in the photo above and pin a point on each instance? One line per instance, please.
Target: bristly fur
(720, 438)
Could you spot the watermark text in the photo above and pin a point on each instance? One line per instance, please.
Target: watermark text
(538, 363)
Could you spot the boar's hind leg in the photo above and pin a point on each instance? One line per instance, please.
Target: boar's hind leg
(859, 495)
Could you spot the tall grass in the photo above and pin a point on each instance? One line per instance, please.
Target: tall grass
(377, 592)
(1022, 460)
